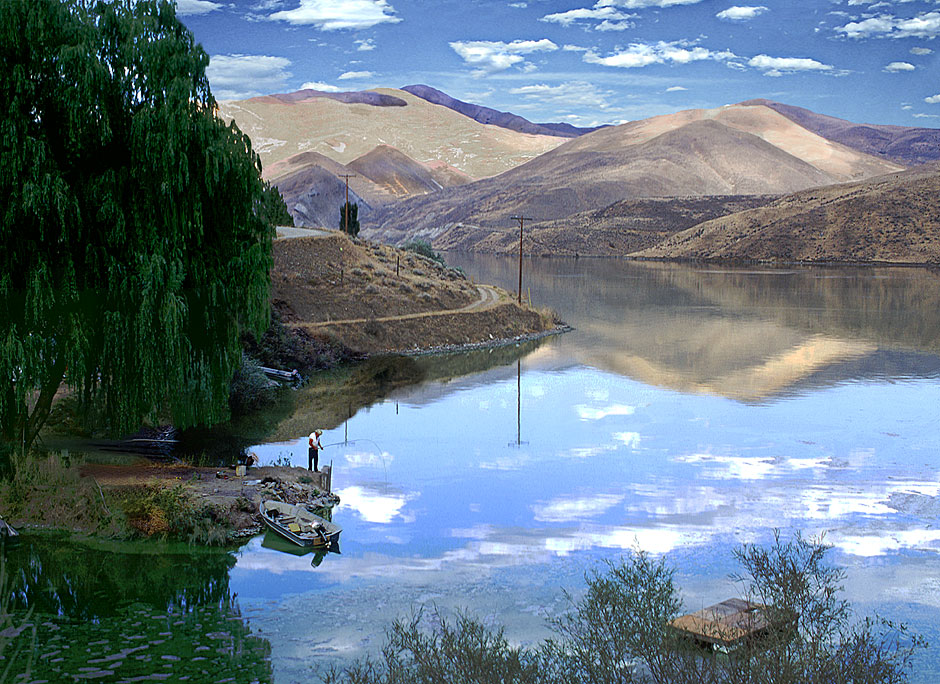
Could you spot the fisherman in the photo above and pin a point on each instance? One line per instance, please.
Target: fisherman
(313, 450)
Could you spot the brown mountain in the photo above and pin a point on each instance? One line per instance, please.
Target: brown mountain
(904, 145)
(313, 185)
(623, 227)
(344, 128)
(895, 218)
(394, 172)
(735, 150)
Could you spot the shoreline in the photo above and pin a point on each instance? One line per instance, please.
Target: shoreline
(496, 343)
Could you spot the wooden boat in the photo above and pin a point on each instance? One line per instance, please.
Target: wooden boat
(298, 525)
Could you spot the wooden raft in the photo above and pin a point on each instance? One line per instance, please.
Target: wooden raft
(724, 624)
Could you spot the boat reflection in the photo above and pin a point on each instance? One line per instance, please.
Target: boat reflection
(275, 542)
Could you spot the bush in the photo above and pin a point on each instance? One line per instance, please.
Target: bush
(423, 247)
(174, 513)
(620, 633)
(250, 389)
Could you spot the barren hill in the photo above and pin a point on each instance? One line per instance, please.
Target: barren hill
(623, 227)
(905, 145)
(894, 219)
(285, 125)
(313, 185)
(394, 172)
(735, 150)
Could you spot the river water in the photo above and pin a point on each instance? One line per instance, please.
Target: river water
(692, 409)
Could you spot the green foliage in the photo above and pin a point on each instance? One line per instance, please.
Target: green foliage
(459, 651)
(174, 513)
(619, 632)
(423, 247)
(134, 243)
(352, 228)
(273, 208)
(251, 389)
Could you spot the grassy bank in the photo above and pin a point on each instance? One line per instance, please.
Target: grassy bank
(48, 491)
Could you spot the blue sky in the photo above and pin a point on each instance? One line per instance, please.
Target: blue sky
(588, 62)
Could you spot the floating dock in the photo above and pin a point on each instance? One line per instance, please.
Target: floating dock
(725, 624)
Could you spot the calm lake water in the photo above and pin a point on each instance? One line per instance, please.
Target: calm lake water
(692, 409)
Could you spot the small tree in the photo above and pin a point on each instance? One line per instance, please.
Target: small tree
(352, 227)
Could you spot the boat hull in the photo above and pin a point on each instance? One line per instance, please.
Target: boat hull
(313, 531)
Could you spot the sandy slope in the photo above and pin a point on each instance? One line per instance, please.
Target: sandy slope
(421, 130)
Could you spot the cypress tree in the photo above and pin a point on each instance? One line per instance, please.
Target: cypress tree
(353, 226)
(133, 243)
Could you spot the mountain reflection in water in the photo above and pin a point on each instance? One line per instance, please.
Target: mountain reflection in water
(747, 334)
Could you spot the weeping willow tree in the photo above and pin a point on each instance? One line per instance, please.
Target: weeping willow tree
(135, 243)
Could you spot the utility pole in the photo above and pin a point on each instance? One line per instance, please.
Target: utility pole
(347, 176)
(522, 220)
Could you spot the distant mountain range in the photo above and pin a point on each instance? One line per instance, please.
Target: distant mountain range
(425, 164)
(485, 115)
(744, 149)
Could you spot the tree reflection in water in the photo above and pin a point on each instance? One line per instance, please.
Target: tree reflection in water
(127, 611)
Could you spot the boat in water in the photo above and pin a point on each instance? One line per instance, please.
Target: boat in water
(297, 524)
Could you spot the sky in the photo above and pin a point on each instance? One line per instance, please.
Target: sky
(584, 62)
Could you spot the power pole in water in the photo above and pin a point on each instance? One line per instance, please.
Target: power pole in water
(347, 176)
(521, 220)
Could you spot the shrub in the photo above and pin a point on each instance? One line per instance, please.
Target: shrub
(250, 389)
(620, 633)
(175, 513)
(423, 247)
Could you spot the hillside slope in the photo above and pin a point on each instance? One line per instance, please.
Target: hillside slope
(891, 219)
(696, 153)
(623, 227)
(283, 126)
(904, 145)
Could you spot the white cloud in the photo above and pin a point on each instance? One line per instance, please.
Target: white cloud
(319, 85)
(642, 4)
(739, 13)
(333, 15)
(925, 25)
(187, 8)
(365, 45)
(572, 94)
(896, 67)
(921, 51)
(643, 54)
(347, 75)
(236, 77)
(777, 66)
(933, 99)
(492, 56)
(675, 89)
(611, 18)
(926, 116)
